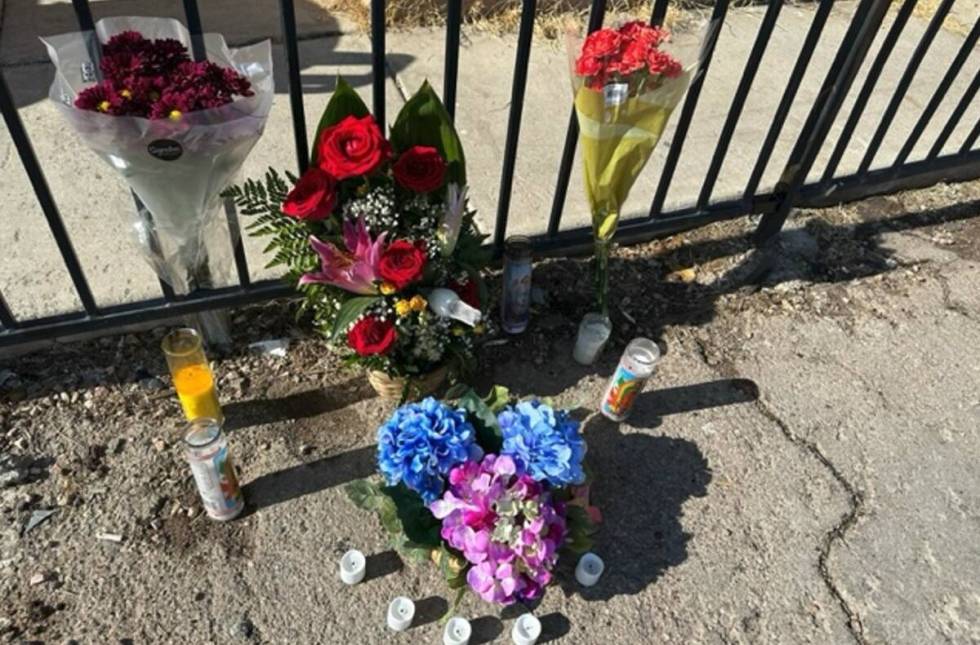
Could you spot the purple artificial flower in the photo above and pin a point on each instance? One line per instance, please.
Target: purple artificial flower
(505, 524)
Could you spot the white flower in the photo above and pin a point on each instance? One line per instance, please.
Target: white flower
(452, 218)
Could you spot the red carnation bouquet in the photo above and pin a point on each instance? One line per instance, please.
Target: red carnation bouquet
(626, 87)
(176, 129)
(378, 237)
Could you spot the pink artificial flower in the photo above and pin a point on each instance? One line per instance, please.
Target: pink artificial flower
(354, 269)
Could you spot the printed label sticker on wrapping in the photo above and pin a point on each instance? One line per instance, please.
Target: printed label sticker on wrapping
(88, 72)
(165, 149)
(615, 93)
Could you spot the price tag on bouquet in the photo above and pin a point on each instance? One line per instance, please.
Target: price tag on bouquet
(615, 94)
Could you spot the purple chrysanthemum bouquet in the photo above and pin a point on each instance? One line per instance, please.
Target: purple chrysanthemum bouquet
(492, 490)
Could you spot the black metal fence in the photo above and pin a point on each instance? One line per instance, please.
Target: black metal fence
(792, 189)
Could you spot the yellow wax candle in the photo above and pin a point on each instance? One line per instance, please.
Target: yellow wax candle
(192, 376)
(195, 388)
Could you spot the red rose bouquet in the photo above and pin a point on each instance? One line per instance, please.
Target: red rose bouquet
(626, 87)
(378, 237)
(177, 130)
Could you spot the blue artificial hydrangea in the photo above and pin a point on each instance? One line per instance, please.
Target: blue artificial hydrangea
(545, 443)
(421, 442)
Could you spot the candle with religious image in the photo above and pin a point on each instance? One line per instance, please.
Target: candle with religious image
(635, 367)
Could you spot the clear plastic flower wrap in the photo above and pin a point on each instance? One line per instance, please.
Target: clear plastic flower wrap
(176, 166)
(625, 89)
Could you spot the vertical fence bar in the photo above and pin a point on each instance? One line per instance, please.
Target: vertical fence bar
(954, 118)
(528, 10)
(850, 55)
(789, 94)
(738, 102)
(874, 72)
(596, 15)
(970, 139)
(287, 12)
(454, 18)
(903, 85)
(690, 105)
(199, 49)
(193, 16)
(378, 62)
(7, 320)
(43, 193)
(659, 12)
(940, 93)
(83, 14)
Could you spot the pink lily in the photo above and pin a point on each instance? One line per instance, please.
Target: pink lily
(354, 269)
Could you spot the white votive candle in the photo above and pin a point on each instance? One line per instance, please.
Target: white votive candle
(457, 632)
(526, 631)
(593, 332)
(589, 569)
(400, 613)
(352, 567)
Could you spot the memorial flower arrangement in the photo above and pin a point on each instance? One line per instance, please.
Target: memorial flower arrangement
(626, 87)
(492, 490)
(378, 237)
(176, 130)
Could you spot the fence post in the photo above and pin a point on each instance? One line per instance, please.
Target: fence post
(850, 55)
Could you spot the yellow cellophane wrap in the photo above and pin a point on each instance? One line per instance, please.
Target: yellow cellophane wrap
(616, 142)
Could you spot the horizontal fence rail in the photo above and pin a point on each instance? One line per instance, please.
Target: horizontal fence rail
(851, 57)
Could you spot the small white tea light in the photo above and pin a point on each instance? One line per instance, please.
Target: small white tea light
(589, 569)
(526, 631)
(352, 567)
(457, 632)
(400, 613)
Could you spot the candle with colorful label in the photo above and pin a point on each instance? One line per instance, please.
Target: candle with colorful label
(635, 367)
(192, 377)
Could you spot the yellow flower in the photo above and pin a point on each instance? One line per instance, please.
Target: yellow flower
(175, 115)
(418, 303)
(403, 307)
(480, 329)
(104, 106)
(387, 288)
(126, 94)
(458, 331)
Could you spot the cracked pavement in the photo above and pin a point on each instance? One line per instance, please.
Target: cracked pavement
(800, 470)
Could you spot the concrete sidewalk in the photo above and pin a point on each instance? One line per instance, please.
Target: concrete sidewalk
(801, 469)
(95, 204)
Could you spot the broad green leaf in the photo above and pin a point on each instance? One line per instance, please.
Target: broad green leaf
(349, 311)
(363, 493)
(488, 433)
(417, 522)
(424, 121)
(498, 399)
(345, 102)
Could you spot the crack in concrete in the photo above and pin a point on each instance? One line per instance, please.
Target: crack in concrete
(837, 533)
(948, 298)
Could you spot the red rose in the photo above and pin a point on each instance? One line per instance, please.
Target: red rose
(313, 197)
(468, 292)
(352, 147)
(602, 44)
(420, 168)
(372, 336)
(402, 263)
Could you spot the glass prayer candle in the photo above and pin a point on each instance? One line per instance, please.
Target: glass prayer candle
(192, 377)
